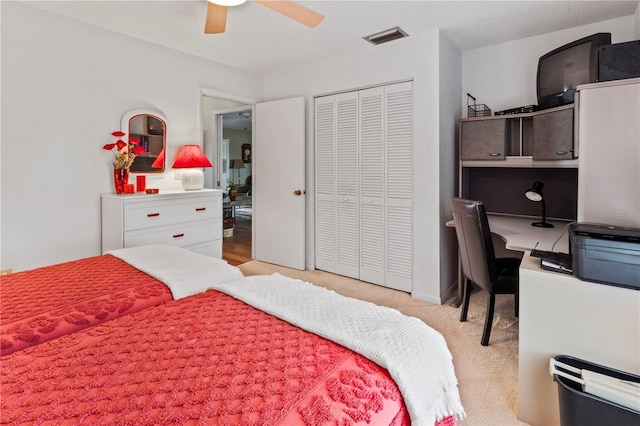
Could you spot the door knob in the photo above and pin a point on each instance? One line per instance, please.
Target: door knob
(297, 192)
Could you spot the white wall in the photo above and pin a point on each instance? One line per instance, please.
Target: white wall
(415, 57)
(449, 113)
(65, 86)
(504, 75)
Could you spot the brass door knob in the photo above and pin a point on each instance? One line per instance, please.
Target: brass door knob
(297, 192)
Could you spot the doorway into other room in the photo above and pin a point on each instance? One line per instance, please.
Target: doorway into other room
(228, 131)
(237, 175)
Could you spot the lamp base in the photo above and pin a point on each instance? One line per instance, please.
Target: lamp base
(542, 224)
(192, 179)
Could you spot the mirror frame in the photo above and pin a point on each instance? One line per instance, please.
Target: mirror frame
(125, 127)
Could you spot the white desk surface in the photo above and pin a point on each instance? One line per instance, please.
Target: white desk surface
(519, 235)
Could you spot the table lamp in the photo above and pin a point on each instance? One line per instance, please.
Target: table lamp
(191, 158)
(158, 163)
(236, 165)
(535, 194)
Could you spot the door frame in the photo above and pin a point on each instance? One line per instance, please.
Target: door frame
(245, 104)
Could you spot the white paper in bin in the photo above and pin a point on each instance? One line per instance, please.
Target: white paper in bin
(622, 392)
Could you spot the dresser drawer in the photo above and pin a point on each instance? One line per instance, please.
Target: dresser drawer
(181, 235)
(146, 214)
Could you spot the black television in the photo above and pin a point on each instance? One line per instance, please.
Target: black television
(562, 69)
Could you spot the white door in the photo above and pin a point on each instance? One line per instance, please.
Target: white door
(279, 182)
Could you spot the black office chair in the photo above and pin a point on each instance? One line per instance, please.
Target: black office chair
(479, 263)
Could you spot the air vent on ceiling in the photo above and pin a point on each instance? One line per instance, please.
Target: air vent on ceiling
(386, 35)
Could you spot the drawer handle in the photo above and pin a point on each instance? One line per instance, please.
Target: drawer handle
(200, 209)
(153, 214)
(562, 152)
(178, 235)
(494, 154)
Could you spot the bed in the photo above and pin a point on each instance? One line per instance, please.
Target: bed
(257, 350)
(46, 303)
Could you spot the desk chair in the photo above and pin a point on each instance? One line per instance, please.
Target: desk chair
(479, 264)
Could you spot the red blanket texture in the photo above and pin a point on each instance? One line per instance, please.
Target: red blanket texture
(204, 359)
(45, 303)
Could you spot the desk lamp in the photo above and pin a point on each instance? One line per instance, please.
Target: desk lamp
(535, 194)
(191, 159)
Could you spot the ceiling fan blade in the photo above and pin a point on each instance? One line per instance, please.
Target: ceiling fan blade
(216, 19)
(295, 11)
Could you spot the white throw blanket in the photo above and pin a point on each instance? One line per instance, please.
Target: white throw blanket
(183, 271)
(415, 355)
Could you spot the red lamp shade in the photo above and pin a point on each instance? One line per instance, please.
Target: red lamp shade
(191, 158)
(158, 163)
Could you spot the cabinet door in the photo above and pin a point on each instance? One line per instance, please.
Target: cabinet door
(553, 135)
(483, 139)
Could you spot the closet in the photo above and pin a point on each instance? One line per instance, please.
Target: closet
(364, 189)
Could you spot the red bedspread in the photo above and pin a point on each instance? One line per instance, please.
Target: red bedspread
(204, 359)
(45, 303)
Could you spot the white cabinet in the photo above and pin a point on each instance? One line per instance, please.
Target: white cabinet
(364, 191)
(562, 315)
(189, 219)
(609, 162)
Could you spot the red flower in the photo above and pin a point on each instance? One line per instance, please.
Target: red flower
(125, 152)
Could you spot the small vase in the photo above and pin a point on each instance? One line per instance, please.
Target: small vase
(120, 177)
(233, 193)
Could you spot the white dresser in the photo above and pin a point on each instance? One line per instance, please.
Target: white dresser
(189, 219)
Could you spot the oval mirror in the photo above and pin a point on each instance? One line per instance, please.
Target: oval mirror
(150, 127)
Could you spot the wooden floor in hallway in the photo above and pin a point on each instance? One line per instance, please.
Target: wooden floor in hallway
(236, 249)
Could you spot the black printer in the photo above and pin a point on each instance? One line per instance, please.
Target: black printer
(606, 254)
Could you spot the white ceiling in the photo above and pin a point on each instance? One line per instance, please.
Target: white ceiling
(261, 40)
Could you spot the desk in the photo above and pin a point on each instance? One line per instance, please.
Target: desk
(519, 235)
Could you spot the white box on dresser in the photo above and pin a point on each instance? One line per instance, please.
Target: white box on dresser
(189, 219)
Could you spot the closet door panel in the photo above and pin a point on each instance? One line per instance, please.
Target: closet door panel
(372, 243)
(325, 183)
(399, 186)
(348, 242)
(372, 178)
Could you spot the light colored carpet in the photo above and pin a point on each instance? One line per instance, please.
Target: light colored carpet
(487, 376)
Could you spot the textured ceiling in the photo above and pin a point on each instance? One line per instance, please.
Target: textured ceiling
(261, 40)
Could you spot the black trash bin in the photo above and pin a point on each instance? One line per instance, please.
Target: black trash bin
(579, 408)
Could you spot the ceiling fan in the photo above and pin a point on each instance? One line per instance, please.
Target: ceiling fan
(217, 13)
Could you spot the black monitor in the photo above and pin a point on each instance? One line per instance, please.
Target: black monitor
(562, 69)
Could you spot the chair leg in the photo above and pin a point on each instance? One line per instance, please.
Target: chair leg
(488, 322)
(465, 300)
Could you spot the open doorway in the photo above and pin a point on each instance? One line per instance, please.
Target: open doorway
(227, 129)
(237, 174)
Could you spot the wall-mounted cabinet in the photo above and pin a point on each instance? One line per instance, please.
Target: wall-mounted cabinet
(536, 139)
(502, 156)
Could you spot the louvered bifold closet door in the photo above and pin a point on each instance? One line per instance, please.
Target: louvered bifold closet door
(399, 186)
(325, 138)
(347, 235)
(372, 160)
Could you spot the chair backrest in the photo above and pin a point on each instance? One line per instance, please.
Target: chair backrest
(474, 241)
